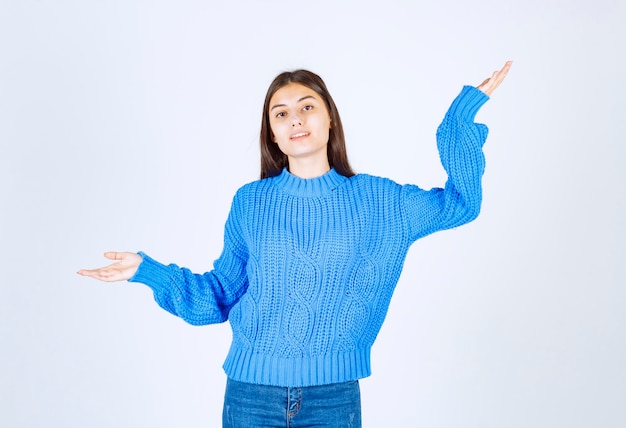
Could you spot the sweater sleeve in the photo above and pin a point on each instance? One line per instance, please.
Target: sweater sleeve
(200, 299)
(460, 142)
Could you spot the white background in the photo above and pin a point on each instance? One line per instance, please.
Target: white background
(128, 125)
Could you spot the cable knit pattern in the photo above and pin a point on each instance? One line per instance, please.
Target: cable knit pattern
(309, 266)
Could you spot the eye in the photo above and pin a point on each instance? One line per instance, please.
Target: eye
(307, 108)
(281, 114)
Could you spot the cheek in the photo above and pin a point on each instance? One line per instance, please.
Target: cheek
(326, 122)
(326, 125)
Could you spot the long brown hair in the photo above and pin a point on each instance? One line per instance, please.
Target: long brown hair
(272, 159)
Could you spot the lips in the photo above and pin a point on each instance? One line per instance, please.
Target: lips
(299, 135)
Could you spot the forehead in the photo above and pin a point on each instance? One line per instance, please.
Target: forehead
(292, 93)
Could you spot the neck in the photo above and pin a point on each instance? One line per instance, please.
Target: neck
(306, 168)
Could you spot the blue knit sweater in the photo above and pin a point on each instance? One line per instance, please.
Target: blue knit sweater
(309, 265)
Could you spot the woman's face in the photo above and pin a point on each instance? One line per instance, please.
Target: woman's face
(300, 123)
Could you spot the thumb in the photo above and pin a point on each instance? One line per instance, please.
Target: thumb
(114, 255)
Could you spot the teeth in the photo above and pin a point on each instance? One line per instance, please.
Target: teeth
(302, 134)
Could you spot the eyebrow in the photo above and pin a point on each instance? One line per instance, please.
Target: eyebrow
(285, 105)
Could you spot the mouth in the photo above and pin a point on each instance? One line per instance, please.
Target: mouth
(299, 135)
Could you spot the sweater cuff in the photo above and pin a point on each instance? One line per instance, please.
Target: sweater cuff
(152, 273)
(468, 102)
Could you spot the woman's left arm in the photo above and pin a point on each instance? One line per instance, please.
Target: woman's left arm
(460, 141)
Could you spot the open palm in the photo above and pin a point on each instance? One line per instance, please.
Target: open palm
(123, 269)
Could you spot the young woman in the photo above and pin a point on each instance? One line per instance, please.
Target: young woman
(312, 253)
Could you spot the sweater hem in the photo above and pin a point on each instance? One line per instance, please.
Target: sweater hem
(250, 367)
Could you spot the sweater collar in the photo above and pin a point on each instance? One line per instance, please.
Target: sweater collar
(308, 187)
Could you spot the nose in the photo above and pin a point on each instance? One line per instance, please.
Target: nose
(296, 121)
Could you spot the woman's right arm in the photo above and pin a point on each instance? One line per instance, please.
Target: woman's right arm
(198, 299)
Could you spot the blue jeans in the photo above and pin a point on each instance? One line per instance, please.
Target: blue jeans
(247, 405)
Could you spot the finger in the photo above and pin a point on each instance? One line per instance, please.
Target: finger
(102, 274)
(495, 79)
(114, 255)
(89, 273)
(501, 74)
(484, 82)
(492, 83)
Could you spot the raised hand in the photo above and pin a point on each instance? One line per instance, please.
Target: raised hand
(491, 83)
(125, 267)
